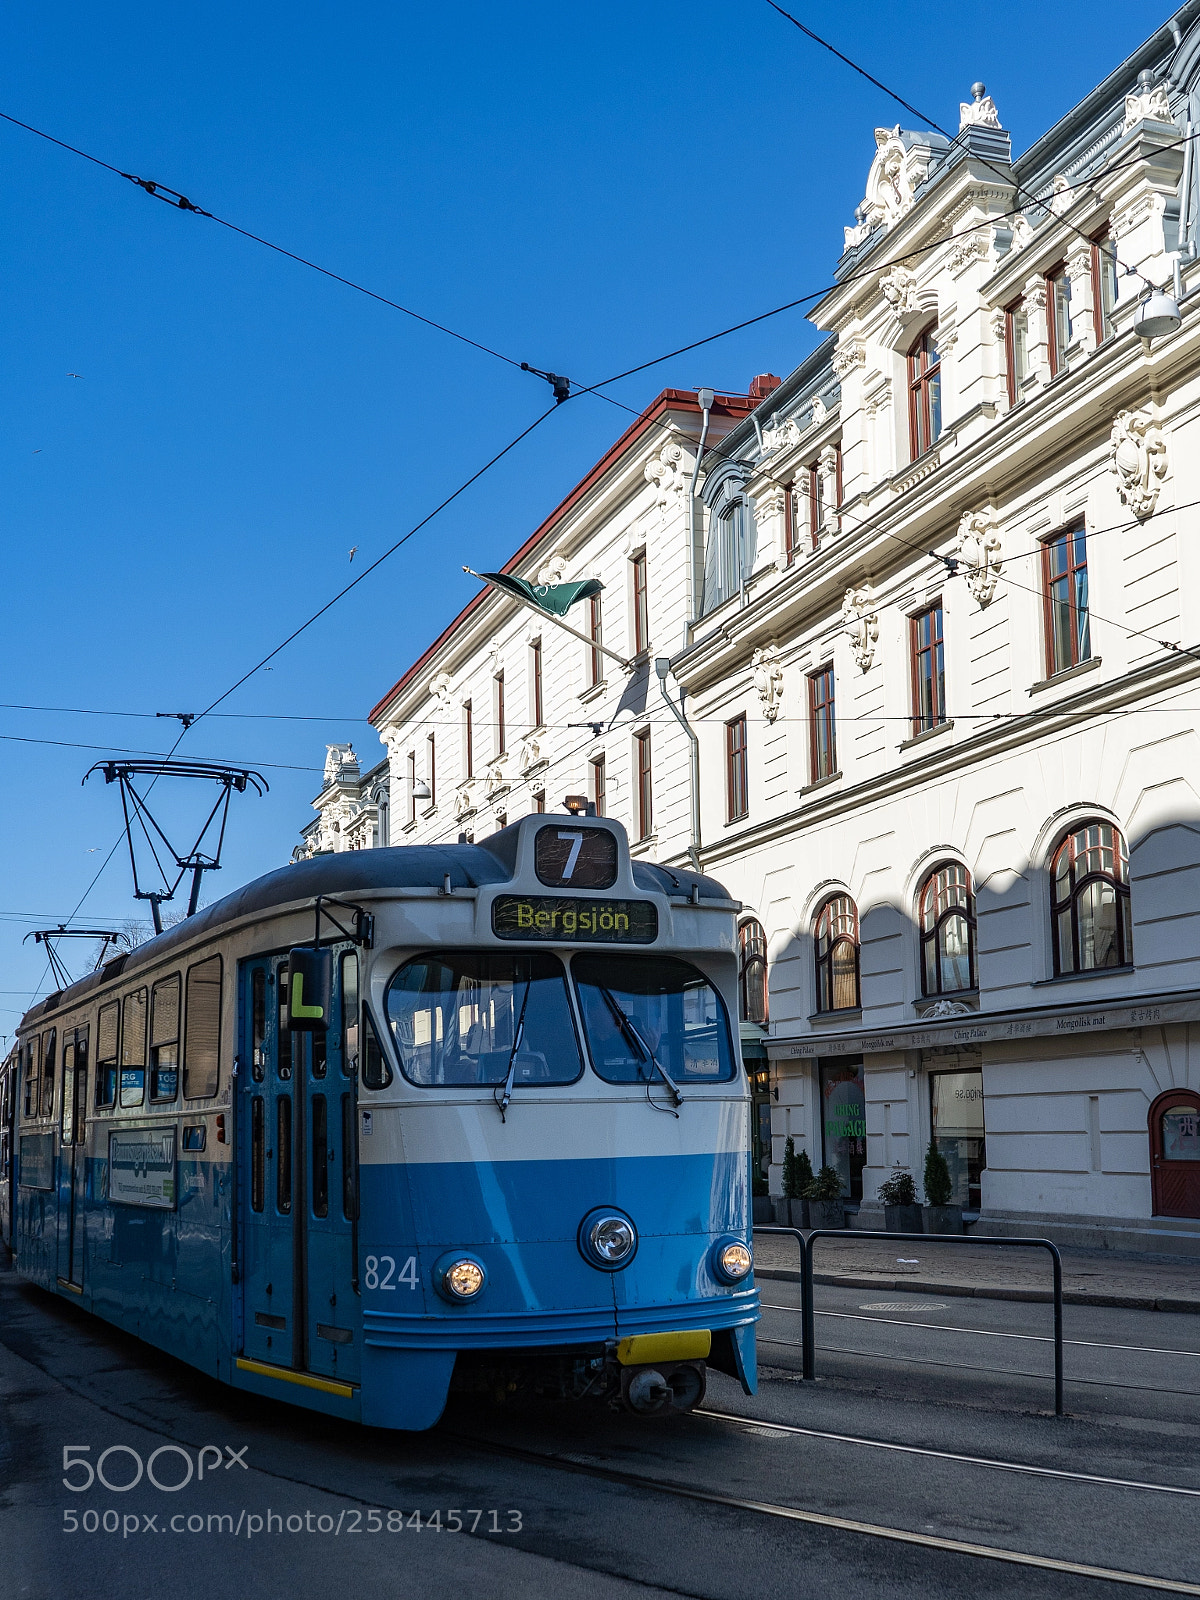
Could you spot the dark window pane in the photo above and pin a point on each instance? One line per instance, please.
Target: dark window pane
(660, 1004)
(320, 1157)
(350, 1014)
(283, 1153)
(257, 1154)
(349, 1163)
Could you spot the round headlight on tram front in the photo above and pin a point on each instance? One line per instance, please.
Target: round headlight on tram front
(459, 1278)
(731, 1260)
(607, 1239)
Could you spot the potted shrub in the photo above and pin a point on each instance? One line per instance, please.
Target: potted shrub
(901, 1208)
(940, 1215)
(795, 1181)
(825, 1206)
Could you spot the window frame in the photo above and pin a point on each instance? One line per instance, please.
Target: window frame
(186, 1067)
(824, 960)
(640, 602)
(31, 1082)
(790, 542)
(412, 786)
(1075, 533)
(108, 1068)
(155, 1045)
(1075, 891)
(431, 768)
(128, 1063)
(753, 958)
(816, 508)
(933, 935)
(468, 741)
(599, 777)
(643, 766)
(935, 650)
(1058, 293)
(594, 661)
(1013, 377)
(822, 715)
(1101, 313)
(498, 713)
(924, 381)
(537, 711)
(737, 770)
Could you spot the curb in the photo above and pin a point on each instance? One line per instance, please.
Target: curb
(1071, 1297)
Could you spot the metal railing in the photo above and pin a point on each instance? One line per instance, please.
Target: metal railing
(808, 1315)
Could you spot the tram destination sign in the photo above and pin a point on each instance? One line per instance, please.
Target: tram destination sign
(559, 919)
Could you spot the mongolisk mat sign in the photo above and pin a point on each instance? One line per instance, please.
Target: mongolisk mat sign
(141, 1167)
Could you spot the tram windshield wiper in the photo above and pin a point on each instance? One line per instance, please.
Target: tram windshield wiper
(635, 1037)
(502, 1100)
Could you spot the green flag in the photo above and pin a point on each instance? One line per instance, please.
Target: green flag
(554, 598)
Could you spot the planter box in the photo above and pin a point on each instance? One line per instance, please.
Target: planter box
(903, 1219)
(798, 1214)
(779, 1211)
(827, 1213)
(763, 1210)
(943, 1219)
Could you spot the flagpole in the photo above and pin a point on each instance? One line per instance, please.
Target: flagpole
(592, 644)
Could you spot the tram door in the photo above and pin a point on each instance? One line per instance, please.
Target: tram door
(298, 1183)
(72, 1158)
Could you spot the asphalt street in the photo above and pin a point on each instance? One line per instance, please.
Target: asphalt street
(925, 1461)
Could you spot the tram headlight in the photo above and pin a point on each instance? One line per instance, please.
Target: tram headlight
(607, 1239)
(459, 1278)
(731, 1260)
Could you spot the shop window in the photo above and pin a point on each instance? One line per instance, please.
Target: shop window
(844, 1122)
(752, 971)
(947, 920)
(1091, 922)
(956, 1121)
(836, 950)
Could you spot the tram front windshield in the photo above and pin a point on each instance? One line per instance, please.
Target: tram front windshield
(469, 1016)
(643, 1010)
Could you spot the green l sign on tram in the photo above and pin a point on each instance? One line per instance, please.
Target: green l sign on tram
(309, 989)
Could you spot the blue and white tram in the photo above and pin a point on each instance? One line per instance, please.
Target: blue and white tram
(484, 1124)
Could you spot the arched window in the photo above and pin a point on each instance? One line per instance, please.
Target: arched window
(752, 971)
(1089, 891)
(924, 394)
(836, 940)
(947, 915)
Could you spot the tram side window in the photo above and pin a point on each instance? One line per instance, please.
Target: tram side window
(283, 1034)
(107, 1034)
(349, 1167)
(67, 1102)
(258, 1167)
(202, 1030)
(320, 1156)
(164, 1039)
(133, 1048)
(48, 1039)
(33, 1076)
(258, 1023)
(349, 1013)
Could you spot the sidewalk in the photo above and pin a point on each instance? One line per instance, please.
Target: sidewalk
(1090, 1277)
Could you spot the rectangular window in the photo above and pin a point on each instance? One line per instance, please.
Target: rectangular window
(320, 1156)
(928, 670)
(501, 821)
(107, 1034)
(641, 607)
(412, 785)
(956, 1122)
(595, 631)
(349, 1169)
(645, 788)
(431, 767)
(789, 523)
(133, 1048)
(48, 1047)
(1058, 318)
(33, 1076)
(164, 1038)
(1016, 348)
(468, 742)
(1065, 591)
(202, 1030)
(539, 802)
(536, 707)
(1104, 285)
(737, 799)
(844, 1121)
(258, 1152)
(283, 1154)
(598, 785)
(283, 1034)
(349, 1014)
(501, 742)
(822, 739)
(816, 505)
(924, 394)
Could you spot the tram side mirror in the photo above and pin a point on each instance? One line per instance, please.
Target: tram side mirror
(309, 989)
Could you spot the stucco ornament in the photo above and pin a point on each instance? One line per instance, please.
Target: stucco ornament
(440, 688)
(495, 781)
(1022, 232)
(337, 757)
(665, 472)
(1138, 455)
(1062, 197)
(860, 620)
(979, 112)
(554, 571)
(782, 436)
(464, 803)
(819, 411)
(531, 752)
(848, 355)
(978, 549)
(891, 184)
(899, 288)
(1149, 102)
(947, 1008)
(767, 672)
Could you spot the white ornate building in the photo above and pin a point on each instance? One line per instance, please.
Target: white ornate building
(934, 619)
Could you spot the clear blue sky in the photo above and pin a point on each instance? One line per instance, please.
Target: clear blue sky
(580, 186)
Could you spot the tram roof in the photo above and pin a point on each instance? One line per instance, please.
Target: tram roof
(353, 872)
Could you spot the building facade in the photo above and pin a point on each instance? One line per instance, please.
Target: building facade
(933, 631)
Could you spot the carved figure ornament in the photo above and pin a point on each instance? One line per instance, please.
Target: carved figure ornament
(860, 620)
(767, 672)
(1138, 456)
(978, 549)
(1149, 102)
(979, 112)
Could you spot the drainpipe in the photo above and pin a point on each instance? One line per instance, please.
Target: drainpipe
(662, 667)
(705, 397)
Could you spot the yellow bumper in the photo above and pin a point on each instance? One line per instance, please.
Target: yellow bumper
(648, 1349)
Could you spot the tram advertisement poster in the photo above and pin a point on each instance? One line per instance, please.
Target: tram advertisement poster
(141, 1167)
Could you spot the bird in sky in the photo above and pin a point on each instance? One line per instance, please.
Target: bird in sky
(37, 452)
(353, 551)
(74, 374)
